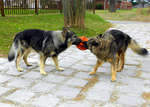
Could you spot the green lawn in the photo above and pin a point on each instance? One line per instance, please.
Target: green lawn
(11, 25)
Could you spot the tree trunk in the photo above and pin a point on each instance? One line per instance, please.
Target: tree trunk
(112, 6)
(79, 10)
(74, 13)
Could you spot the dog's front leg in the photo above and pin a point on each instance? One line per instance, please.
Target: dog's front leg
(113, 71)
(42, 64)
(95, 68)
(55, 59)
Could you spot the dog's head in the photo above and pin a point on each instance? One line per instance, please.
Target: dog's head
(70, 37)
(92, 44)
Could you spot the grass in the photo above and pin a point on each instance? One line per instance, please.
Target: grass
(141, 15)
(11, 25)
(143, 11)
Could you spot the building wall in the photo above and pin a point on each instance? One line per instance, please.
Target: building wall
(129, 8)
(126, 6)
(123, 6)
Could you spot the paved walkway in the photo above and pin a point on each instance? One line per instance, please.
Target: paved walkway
(74, 87)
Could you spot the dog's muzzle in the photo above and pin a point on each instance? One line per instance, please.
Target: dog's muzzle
(77, 42)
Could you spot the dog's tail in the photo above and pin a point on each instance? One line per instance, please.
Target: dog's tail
(14, 50)
(136, 48)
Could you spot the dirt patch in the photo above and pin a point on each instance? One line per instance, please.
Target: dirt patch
(3, 55)
(146, 96)
(138, 74)
(90, 84)
(79, 97)
(114, 98)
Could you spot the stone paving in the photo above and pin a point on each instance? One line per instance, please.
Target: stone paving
(74, 87)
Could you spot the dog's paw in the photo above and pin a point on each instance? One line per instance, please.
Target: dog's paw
(113, 79)
(91, 73)
(60, 69)
(43, 72)
(20, 70)
(29, 65)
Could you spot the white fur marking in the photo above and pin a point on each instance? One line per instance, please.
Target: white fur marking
(44, 43)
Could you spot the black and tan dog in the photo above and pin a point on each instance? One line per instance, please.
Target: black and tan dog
(104, 49)
(124, 41)
(46, 43)
(111, 47)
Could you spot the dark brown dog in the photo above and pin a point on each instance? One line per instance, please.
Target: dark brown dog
(104, 49)
(124, 41)
(111, 47)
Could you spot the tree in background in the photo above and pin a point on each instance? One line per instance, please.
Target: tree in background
(74, 13)
(112, 6)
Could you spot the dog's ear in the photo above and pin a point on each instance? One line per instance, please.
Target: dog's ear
(100, 35)
(95, 43)
(85, 44)
(64, 31)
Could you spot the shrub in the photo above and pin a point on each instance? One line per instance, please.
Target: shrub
(98, 6)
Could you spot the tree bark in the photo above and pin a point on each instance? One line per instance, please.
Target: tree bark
(68, 13)
(74, 13)
(112, 6)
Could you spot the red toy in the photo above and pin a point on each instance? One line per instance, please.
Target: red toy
(81, 46)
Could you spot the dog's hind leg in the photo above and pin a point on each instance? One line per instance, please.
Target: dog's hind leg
(27, 52)
(117, 59)
(19, 55)
(95, 68)
(113, 71)
(122, 61)
(42, 64)
(55, 59)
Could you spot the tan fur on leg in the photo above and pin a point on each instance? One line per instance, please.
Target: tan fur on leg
(18, 60)
(113, 71)
(122, 61)
(25, 57)
(95, 68)
(118, 59)
(42, 65)
(55, 59)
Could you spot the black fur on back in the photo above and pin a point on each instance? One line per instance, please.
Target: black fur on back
(121, 38)
(124, 41)
(35, 38)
